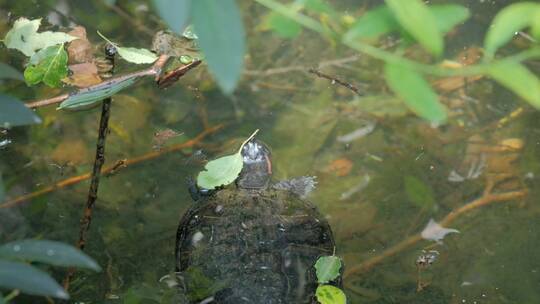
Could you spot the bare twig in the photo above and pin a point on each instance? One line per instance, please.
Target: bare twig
(335, 80)
(112, 168)
(99, 160)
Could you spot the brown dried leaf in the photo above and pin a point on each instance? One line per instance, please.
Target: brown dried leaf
(80, 50)
(340, 167)
(162, 136)
(83, 75)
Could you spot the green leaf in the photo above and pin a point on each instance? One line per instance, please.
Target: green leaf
(380, 21)
(2, 301)
(283, 26)
(30, 280)
(372, 24)
(415, 92)
(88, 98)
(138, 56)
(14, 113)
(418, 192)
(327, 268)
(221, 38)
(9, 72)
(48, 252)
(222, 171)
(447, 16)
(319, 6)
(415, 17)
(48, 65)
(507, 22)
(535, 24)
(328, 294)
(133, 55)
(519, 79)
(174, 12)
(25, 38)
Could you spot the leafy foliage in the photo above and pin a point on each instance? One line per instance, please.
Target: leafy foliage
(14, 113)
(381, 20)
(415, 17)
(519, 79)
(415, 92)
(174, 12)
(510, 20)
(221, 37)
(222, 171)
(327, 268)
(25, 38)
(283, 26)
(48, 65)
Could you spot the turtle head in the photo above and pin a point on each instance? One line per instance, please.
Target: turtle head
(257, 169)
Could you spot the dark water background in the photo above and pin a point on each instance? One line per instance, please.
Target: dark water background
(376, 190)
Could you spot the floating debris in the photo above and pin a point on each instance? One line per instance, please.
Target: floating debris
(436, 232)
(475, 170)
(358, 133)
(426, 259)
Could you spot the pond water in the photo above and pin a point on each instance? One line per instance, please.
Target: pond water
(382, 172)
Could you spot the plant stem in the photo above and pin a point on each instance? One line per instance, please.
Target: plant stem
(96, 174)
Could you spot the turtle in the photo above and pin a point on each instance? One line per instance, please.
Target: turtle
(253, 241)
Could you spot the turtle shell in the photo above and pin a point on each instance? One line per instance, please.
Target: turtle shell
(241, 246)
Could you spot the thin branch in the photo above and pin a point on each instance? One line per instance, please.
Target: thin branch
(112, 168)
(99, 160)
(335, 80)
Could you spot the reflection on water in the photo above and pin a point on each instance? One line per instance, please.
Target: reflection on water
(382, 173)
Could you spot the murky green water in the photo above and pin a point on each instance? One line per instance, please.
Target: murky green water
(382, 172)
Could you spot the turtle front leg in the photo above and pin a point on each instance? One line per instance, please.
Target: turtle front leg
(301, 186)
(195, 192)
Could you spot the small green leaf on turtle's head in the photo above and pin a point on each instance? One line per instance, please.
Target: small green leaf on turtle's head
(328, 294)
(327, 268)
(222, 171)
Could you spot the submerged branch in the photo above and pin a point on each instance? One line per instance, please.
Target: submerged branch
(115, 167)
(486, 199)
